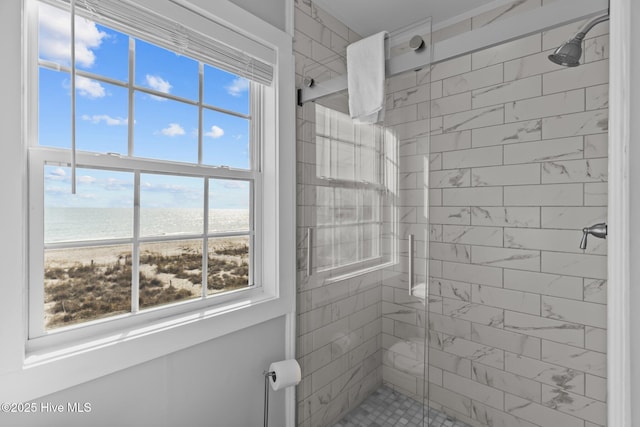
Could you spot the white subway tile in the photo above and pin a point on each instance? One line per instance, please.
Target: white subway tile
(544, 284)
(595, 339)
(449, 215)
(551, 39)
(595, 291)
(507, 134)
(491, 236)
(451, 67)
(506, 175)
(572, 218)
(489, 416)
(449, 252)
(596, 48)
(547, 329)
(503, 12)
(476, 313)
(479, 117)
(506, 51)
(472, 80)
(506, 381)
(485, 196)
(583, 265)
(585, 313)
(484, 275)
(587, 361)
(591, 74)
(595, 194)
(596, 121)
(472, 157)
(544, 195)
(449, 362)
(512, 342)
(551, 240)
(545, 373)
(507, 299)
(450, 326)
(450, 178)
(596, 387)
(597, 97)
(518, 259)
(589, 170)
(541, 415)
(450, 289)
(531, 65)
(507, 92)
(505, 216)
(451, 141)
(596, 145)
(474, 390)
(451, 104)
(573, 404)
(545, 106)
(470, 350)
(555, 149)
(449, 399)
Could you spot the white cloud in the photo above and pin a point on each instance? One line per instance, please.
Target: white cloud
(215, 132)
(108, 120)
(89, 88)
(158, 83)
(237, 86)
(55, 37)
(234, 184)
(86, 179)
(174, 129)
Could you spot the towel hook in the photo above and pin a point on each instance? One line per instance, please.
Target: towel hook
(416, 43)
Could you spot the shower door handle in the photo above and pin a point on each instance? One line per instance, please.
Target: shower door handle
(309, 250)
(411, 264)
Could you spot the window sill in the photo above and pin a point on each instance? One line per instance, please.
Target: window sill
(48, 371)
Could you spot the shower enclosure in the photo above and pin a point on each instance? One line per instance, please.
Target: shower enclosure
(363, 233)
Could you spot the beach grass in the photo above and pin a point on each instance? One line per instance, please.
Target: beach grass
(86, 284)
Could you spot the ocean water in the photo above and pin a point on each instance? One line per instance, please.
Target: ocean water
(72, 224)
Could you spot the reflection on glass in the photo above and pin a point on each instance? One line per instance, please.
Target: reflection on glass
(171, 205)
(170, 272)
(228, 264)
(226, 90)
(54, 109)
(229, 202)
(101, 117)
(84, 284)
(165, 129)
(165, 71)
(225, 140)
(102, 207)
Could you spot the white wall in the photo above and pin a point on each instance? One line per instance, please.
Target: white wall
(635, 211)
(217, 383)
(272, 11)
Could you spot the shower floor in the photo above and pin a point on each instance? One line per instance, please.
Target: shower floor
(387, 408)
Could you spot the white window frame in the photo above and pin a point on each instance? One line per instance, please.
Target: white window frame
(28, 372)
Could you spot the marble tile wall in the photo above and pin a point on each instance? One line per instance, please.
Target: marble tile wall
(518, 165)
(516, 148)
(339, 319)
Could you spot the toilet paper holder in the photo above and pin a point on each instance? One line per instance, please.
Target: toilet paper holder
(267, 375)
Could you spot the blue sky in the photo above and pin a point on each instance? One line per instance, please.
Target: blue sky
(163, 128)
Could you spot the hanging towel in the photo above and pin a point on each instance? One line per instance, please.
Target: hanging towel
(365, 78)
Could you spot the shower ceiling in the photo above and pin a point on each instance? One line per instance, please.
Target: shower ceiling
(367, 17)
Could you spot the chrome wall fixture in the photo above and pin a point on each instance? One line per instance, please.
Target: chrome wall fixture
(596, 230)
(569, 53)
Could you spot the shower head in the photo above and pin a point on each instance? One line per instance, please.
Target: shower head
(569, 53)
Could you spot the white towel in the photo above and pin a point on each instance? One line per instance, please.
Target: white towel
(365, 78)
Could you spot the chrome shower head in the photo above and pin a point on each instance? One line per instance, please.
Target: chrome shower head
(569, 53)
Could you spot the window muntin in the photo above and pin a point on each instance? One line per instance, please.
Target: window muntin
(108, 124)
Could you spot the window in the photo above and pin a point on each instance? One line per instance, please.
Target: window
(165, 148)
(350, 194)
